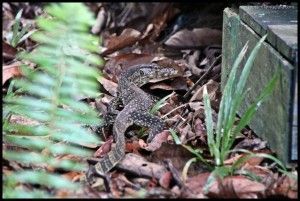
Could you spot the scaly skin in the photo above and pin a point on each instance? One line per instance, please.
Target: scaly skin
(137, 104)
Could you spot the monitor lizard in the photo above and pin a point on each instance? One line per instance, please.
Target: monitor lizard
(136, 106)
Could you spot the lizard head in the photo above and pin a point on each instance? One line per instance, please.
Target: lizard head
(146, 73)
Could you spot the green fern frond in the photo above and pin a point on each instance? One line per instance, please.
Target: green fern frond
(66, 60)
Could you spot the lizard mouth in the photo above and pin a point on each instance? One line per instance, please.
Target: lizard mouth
(158, 79)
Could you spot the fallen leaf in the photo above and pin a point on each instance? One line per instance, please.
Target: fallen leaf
(186, 39)
(178, 155)
(193, 187)
(10, 71)
(133, 147)
(192, 60)
(104, 149)
(286, 186)
(74, 176)
(164, 13)
(157, 141)
(127, 37)
(9, 52)
(236, 187)
(200, 130)
(251, 144)
(108, 85)
(165, 180)
(262, 172)
(213, 88)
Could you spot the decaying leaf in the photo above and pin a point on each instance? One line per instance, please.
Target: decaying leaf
(165, 180)
(104, 149)
(11, 71)
(9, 52)
(157, 141)
(127, 37)
(212, 89)
(108, 85)
(285, 186)
(193, 188)
(236, 187)
(186, 39)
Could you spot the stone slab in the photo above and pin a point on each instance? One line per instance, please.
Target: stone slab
(272, 120)
(279, 22)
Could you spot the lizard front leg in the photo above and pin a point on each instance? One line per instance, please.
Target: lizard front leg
(112, 112)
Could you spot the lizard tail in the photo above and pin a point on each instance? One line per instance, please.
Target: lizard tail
(112, 158)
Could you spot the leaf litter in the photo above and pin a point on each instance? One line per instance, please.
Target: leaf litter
(169, 34)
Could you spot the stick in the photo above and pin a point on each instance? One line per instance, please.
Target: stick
(202, 77)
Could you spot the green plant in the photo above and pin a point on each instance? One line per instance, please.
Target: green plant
(48, 96)
(19, 36)
(220, 140)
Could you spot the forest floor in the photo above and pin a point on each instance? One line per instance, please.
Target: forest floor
(186, 36)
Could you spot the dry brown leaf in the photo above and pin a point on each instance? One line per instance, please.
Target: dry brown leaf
(133, 147)
(196, 105)
(192, 60)
(252, 144)
(105, 148)
(9, 52)
(193, 187)
(9, 71)
(260, 171)
(236, 187)
(178, 155)
(108, 85)
(200, 130)
(212, 90)
(286, 186)
(73, 176)
(127, 37)
(165, 180)
(157, 141)
(187, 39)
(165, 12)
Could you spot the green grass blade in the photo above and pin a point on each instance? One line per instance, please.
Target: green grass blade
(237, 99)
(259, 155)
(248, 115)
(225, 104)
(209, 126)
(159, 104)
(196, 153)
(175, 137)
(186, 168)
(16, 27)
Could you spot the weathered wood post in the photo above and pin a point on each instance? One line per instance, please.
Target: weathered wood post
(277, 119)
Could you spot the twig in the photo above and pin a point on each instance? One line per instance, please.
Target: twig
(174, 110)
(201, 78)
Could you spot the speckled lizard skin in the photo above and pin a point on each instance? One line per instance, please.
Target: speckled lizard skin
(136, 106)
